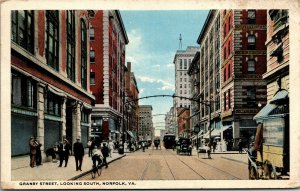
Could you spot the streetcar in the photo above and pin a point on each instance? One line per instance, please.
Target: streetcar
(157, 142)
(169, 141)
(270, 159)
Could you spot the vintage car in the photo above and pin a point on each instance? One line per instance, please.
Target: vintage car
(183, 145)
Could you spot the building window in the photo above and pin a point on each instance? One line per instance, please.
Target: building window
(280, 17)
(251, 16)
(52, 44)
(229, 48)
(185, 64)
(84, 116)
(229, 101)
(92, 56)
(71, 45)
(91, 14)
(22, 29)
(180, 63)
(180, 86)
(251, 97)
(251, 66)
(23, 91)
(224, 75)
(92, 33)
(224, 101)
(83, 55)
(229, 71)
(225, 53)
(224, 31)
(53, 104)
(251, 42)
(92, 78)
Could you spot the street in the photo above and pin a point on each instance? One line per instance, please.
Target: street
(167, 165)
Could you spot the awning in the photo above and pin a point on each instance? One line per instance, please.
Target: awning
(52, 90)
(131, 134)
(280, 95)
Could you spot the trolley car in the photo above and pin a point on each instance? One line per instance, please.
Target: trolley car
(169, 141)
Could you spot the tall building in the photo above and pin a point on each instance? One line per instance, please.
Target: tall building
(107, 40)
(50, 80)
(182, 61)
(145, 122)
(209, 75)
(243, 56)
(131, 109)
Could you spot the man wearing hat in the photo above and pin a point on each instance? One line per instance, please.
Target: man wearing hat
(32, 147)
(78, 153)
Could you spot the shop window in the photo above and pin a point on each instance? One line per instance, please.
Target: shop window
(52, 39)
(22, 29)
(53, 104)
(23, 91)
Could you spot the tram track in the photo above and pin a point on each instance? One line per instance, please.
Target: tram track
(218, 169)
(168, 165)
(147, 166)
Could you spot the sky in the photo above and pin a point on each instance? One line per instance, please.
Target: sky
(153, 42)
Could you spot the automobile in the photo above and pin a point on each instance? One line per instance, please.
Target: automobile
(184, 145)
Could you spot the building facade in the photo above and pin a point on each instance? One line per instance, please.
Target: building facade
(50, 92)
(183, 122)
(131, 109)
(209, 76)
(243, 61)
(145, 123)
(108, 39)
(277, 74)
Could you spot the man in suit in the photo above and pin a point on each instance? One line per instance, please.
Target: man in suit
(78, 150)
(64, 152)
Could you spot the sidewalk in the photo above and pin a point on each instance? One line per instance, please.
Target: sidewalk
(50, 171)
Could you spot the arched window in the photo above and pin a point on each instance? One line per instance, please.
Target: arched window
(251, 42)
(83, 55)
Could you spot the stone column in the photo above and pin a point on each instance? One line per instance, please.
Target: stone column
(63, 118)
(40, 112)
(76, 116)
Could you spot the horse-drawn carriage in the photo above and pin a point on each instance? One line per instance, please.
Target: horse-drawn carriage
(269, 156)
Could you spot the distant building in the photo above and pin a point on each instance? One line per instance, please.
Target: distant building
(50, 79)
(145, 123)
(108, 39)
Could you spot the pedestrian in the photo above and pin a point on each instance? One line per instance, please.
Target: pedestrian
(91, 145)
(64, 152)
(105, 153)
(143, 146)
(126, 146)
(214, 145)
(240, 145)
(110, 147)
(32, 147)
(96, 156)
(38, 152)
(52, 152)
(78, 153)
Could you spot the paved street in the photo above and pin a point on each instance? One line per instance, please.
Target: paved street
(166, 165)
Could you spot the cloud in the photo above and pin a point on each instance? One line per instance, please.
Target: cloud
(165, 84)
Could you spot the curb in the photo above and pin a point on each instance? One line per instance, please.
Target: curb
(84, 173)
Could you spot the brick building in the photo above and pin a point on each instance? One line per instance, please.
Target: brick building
(50, 94)
(107, 57)
(243, 61)
(132, 108)
(183, 115)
